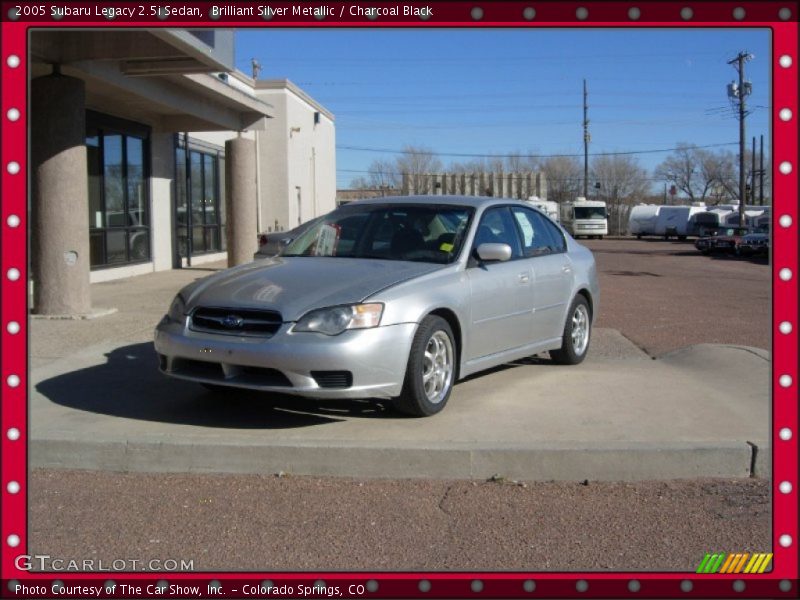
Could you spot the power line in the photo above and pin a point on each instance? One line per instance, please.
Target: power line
(466, 173)
(469, 155)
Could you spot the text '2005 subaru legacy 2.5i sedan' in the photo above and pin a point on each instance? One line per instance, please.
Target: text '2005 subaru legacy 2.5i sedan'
(389, 298)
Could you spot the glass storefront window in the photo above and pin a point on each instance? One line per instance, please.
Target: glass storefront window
(119, 226)
(198, 200)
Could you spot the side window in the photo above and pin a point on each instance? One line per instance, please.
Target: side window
(497, 227)
(539, 236)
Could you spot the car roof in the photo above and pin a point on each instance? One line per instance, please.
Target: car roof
(473, 201)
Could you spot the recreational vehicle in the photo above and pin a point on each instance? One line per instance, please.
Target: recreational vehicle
(548, 207)
(585, 217)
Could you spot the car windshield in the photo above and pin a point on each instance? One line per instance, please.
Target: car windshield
(590, 212)
(424, 233)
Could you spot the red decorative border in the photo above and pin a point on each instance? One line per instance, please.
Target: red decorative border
(440, 585)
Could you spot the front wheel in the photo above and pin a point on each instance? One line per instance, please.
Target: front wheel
(431, 369)
(577, 332)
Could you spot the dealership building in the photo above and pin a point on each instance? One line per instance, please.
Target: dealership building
(149, 151)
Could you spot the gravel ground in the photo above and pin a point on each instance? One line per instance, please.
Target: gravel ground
(661, 295)
(226, 522)
(664, 295)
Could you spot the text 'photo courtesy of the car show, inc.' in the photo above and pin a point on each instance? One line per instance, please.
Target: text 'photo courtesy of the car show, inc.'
(307, 299)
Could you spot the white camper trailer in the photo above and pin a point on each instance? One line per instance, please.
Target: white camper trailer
(753, 215)
(585, 217)
(708, 219)
(673, 221)
(642, 220)
(548, 207)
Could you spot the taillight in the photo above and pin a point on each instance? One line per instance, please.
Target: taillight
(262, 240)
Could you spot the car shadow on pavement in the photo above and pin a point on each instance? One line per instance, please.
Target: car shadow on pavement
(129, 385)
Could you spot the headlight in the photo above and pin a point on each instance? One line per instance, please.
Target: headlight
(176, 310)
(335, 320)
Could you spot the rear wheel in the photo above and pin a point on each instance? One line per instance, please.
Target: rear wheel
(577, 333)
(431, 369)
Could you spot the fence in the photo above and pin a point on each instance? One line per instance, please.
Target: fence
(499, 185)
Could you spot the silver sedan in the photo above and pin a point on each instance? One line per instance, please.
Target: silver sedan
(389, 298)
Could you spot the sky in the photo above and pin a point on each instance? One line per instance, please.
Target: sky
(500, 91)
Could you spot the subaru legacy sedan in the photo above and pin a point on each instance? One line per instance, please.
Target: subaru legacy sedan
(390, 298)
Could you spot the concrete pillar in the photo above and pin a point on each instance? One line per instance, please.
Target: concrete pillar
(405, 190)
(240, 200)
(59, 197)
(513, 185)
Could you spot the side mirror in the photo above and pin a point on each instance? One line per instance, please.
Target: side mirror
(494, 252)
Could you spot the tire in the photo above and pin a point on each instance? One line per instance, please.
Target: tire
(431, 369)
(577, 334)
(599, 237)
(681, 237)
(638, 236)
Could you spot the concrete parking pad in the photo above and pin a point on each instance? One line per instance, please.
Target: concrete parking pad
(618, 416)
(98, 402)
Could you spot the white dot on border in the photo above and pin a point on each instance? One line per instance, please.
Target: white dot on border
(476, 586)
(13, 540)
(529, 585)
(785, 540)
(785, 168)
(785, 585)
(785, 61)
(12, 114)
(12, 221)
(785, 114)
(739, 13)
(785, 274)
(738, 585)
(12, 487)
(634, 585)
(529, 13)
(785, 220)
(686, 586)
(634, 13)
(476, 13)
(582, 585)
(582, 13)
(13, 61)
(13, 434)
(13, 274)
(686, 13)
(785, 434)
(785, 380)
(12, 381)
(12, 327)
(785, 327)
(13, 167)
(424, 586)
(785, 487)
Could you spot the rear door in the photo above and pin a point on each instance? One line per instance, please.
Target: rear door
(544, 246)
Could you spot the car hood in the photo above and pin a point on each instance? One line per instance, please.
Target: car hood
(295, 285)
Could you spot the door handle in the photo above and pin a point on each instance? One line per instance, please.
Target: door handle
(524, 278)
(566, 269)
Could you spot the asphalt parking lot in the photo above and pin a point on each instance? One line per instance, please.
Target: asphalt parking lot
(658, 297)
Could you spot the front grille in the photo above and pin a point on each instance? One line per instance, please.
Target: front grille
(244, 375)
(333, 379)
(236, 321)
(197, 368)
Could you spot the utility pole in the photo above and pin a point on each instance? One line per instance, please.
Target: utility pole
(256, 67)
(739, 93)
(753, 173)
(585, 142)
(761, 173)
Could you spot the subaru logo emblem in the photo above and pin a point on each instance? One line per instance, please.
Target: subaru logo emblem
(233, 321)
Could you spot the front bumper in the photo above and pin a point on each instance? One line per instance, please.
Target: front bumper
(376, 358)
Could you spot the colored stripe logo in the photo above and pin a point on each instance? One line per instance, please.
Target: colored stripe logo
(738, 562)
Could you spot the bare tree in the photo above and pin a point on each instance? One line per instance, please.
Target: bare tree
(702, 175)
(564, 176)
(623, 182)
(415, 163)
